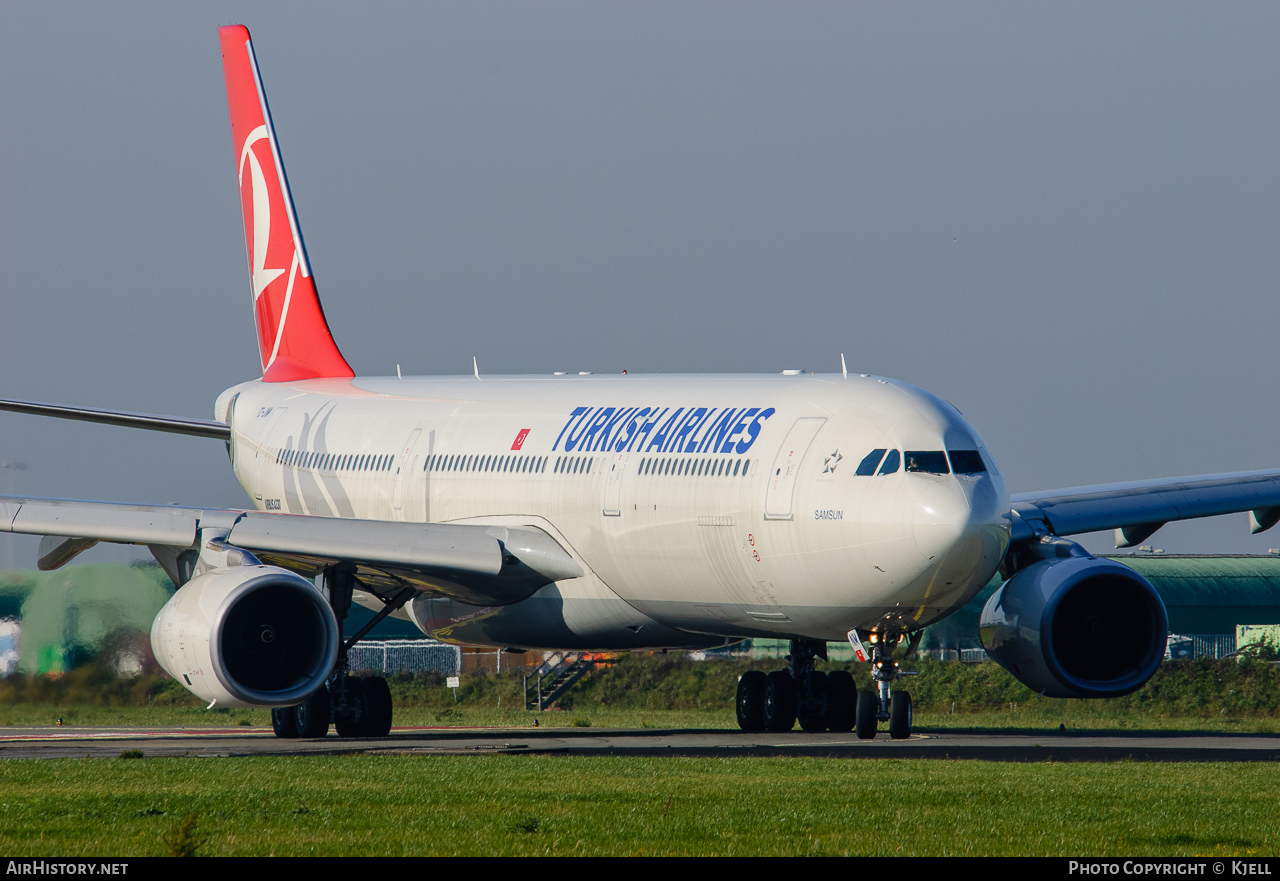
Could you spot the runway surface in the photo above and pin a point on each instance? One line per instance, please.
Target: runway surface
(999, 746)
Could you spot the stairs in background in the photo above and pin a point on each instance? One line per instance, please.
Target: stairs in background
(559, 673)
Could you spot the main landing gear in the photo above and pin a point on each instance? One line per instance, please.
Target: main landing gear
(825, 701)
(357, 706)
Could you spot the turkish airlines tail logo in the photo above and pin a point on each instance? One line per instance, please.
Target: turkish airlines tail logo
(294, 341)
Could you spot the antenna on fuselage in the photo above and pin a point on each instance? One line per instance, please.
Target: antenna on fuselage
(475, 366)
(398, 376)
(844, 370)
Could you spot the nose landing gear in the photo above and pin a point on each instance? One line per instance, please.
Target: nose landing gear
(885, 705)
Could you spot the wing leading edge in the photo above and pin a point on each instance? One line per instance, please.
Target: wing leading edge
(1137, 509)
(172, 424)
(485, 565)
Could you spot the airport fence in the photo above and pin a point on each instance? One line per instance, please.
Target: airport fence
(406, 656)
(1215, 645)
(415, 656)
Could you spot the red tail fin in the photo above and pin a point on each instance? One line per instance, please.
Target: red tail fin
(293, 338)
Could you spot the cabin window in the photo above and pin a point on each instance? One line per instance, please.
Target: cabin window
(735, 468)
(926, 461)
(891, 463)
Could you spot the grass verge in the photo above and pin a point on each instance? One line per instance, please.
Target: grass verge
(509, 805)
(670, 691)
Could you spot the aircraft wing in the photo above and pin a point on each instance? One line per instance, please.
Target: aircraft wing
(149, 421)
(486, 565)
(1136, 510)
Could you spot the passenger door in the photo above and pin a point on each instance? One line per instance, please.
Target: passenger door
(613, 484)
(786, 465)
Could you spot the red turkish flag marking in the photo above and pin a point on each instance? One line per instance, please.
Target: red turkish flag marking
(519, 442)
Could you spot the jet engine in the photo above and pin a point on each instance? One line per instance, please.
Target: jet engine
(247, 636)
(1078, 626)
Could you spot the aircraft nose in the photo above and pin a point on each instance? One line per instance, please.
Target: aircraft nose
(952, 512)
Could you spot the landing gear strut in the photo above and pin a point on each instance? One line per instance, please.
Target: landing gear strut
(356, 706)
(883, 704)
(827, 701)
(774, 702)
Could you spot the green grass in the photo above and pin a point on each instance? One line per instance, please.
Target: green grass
(37, 715)
(515, 805)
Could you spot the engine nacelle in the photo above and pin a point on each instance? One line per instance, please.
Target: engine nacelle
(247, 636)
(1076, 627)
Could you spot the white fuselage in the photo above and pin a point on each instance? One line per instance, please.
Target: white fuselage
(703, 508)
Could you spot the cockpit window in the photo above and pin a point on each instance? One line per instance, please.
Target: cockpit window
(868, 465)
(966, 461)
(930, 461)
(890, 465)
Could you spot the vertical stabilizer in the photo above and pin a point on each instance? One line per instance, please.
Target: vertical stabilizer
(293, 337)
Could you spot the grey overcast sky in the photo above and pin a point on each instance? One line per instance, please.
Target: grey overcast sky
(1061, 217)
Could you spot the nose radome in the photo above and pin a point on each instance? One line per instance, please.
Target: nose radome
(942, 515)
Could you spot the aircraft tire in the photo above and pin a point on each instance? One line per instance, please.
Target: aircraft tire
(900, 715)
(866, 720)
(312, 715)
(353, 724)
(811, 703)
(779, 701)
(284, 722)
(842, 701)
(378, 707)
(750, 702)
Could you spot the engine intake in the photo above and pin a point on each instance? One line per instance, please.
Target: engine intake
(1076, 627)
(247, 636)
